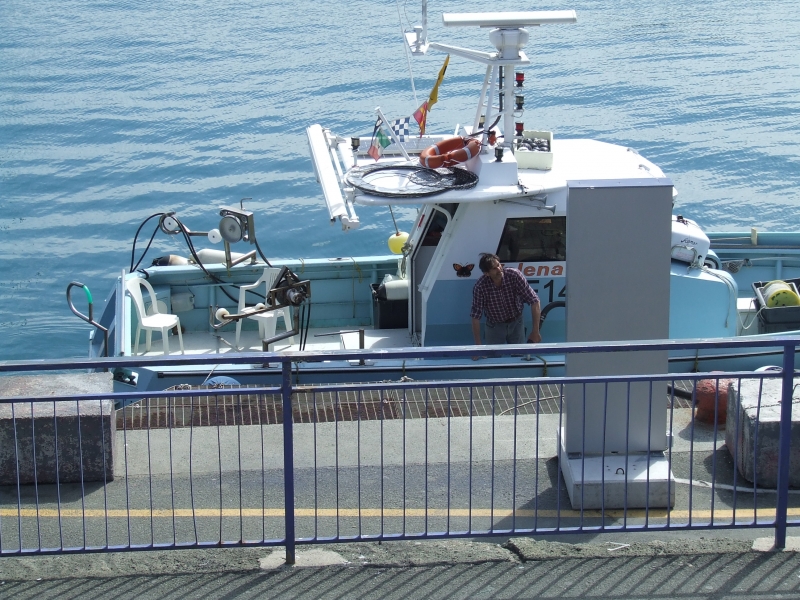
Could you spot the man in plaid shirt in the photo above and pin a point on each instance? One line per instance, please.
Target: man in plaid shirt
(500, 293)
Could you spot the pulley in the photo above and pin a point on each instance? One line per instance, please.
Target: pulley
(230, 228)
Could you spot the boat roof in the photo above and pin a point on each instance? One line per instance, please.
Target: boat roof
(573, 160)
(349, 173)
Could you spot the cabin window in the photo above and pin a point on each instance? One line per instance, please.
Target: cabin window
(533, 239)
(436, 224)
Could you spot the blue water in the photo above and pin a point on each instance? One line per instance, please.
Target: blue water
(113, 111)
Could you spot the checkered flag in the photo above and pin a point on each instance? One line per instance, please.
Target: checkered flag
(402, 128)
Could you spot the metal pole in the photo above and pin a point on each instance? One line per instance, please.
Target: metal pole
(784, 446)
(392, 134)
(288, 461)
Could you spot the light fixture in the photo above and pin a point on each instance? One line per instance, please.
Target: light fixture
(236, 225)
(355, 143)
(520, 101)
(498, 154)
(520, 78)
(519, 127)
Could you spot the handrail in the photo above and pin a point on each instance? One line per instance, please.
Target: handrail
(428, 353)
(89, 319)
(292, 459)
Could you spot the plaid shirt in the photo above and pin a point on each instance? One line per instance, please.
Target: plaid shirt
(501, 303)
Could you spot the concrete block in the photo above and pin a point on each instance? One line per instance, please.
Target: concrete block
(616, 481)
(752, 431)
(60, 440)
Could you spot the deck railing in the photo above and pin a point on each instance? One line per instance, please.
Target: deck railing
(292, 464)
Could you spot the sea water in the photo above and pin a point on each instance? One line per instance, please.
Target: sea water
(114, 111)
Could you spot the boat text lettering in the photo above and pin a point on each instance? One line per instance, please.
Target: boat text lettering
(548, 290)
(542, 270)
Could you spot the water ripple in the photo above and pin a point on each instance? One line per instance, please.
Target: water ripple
(110, 112)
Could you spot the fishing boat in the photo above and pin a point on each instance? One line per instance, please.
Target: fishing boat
(592, 226)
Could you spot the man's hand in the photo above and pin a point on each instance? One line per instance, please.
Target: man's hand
(476, 334)
(535, 337)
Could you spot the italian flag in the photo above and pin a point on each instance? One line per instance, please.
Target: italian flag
(379, 141)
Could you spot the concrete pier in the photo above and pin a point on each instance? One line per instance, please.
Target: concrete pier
(60, 441)
(752, 431)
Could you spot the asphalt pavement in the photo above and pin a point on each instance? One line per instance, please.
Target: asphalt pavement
(196, 486)
(625, 565)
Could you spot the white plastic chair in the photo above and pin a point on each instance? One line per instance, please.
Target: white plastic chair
(267, 321)
(155, 321)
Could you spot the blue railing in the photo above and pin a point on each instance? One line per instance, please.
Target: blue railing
(292, 464)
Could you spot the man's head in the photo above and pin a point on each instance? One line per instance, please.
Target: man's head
(490, 265)
(488, 262)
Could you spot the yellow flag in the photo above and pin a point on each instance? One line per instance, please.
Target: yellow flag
(434, 97)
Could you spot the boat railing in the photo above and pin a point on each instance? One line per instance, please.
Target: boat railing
(89, 318)
(223, 465)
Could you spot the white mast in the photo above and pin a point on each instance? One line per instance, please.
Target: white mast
(508, 35)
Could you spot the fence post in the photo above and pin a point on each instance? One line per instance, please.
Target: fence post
(785, 445)
(288, 460)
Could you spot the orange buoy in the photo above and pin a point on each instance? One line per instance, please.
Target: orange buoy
(449, 152)
(711, 393)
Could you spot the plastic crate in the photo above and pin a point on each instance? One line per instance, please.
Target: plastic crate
(542, 161)
(779, 318)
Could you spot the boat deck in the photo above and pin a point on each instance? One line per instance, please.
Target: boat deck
(327, 338)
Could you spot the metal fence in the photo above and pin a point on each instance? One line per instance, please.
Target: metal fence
(287, 464)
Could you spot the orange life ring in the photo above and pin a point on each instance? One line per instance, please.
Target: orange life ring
(449, 152)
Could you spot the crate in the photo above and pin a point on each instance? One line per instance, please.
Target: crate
(780, 318)
(542, 161)
(388, 314)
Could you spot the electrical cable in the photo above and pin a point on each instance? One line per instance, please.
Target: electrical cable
(300, 322)
(260, 253)
(300, 326)
(136, 236)
(187, 238)
(308, 326)
(199, 263)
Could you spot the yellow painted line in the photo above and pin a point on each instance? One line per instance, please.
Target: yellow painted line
(742, 515)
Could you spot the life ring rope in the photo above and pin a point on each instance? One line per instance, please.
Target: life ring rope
(449, 152)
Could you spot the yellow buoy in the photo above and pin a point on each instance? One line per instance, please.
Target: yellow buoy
(397, 241)
(780, 293)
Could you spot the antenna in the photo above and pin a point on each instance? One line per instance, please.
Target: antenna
(509, 20)
(417, 38)
(509, 36)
